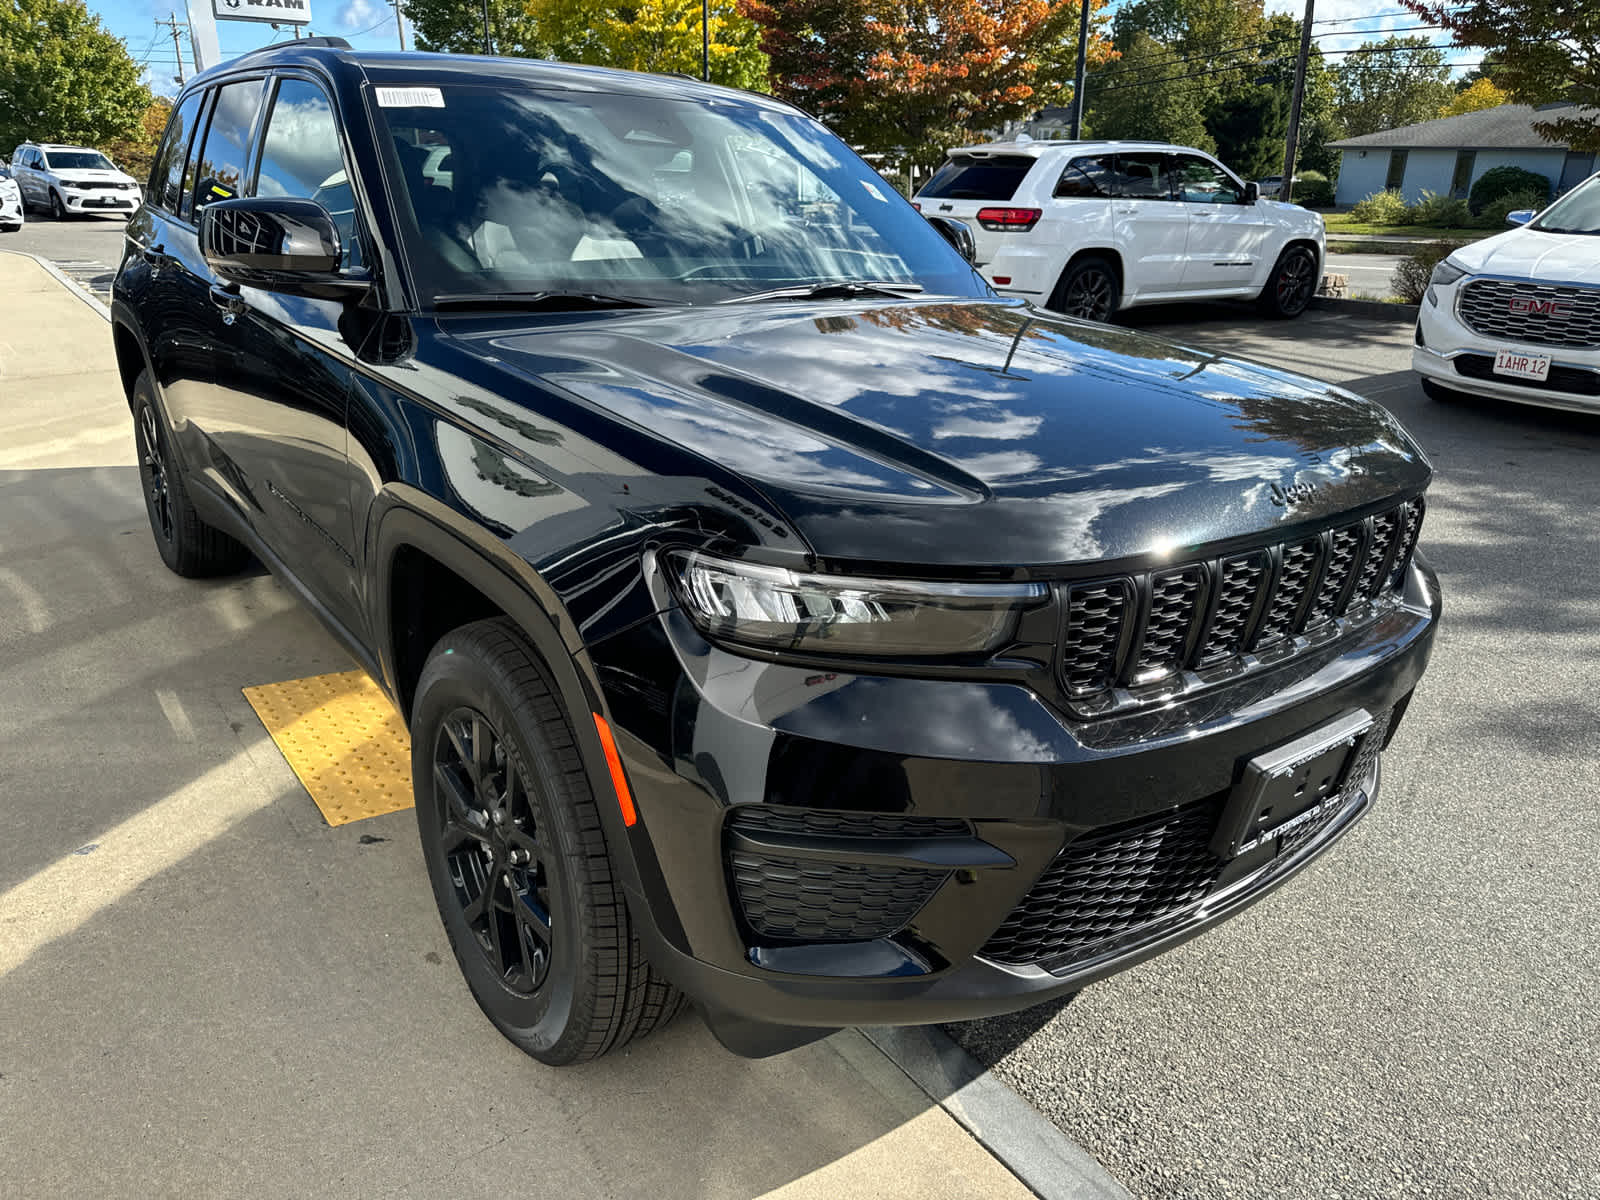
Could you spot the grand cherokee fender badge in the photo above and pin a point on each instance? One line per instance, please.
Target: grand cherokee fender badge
(1295, 493)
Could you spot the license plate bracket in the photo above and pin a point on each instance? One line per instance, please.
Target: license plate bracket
(1287, 785)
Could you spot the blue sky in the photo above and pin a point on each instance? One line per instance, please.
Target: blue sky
(370, 24)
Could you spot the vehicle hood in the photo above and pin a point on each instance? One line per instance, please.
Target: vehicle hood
(1293, 214)
(1534, 254)
(972, 432)
(77, 176)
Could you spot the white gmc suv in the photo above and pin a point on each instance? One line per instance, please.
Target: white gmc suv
(1086, 228)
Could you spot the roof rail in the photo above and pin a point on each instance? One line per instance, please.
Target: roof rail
(331, 43)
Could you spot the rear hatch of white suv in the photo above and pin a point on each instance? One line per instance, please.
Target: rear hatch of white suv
(979, 187)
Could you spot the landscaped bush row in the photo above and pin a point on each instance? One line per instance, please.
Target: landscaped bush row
(1390, 208)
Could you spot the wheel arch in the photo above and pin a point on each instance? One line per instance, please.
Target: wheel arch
(1110, 253)
(131, 356)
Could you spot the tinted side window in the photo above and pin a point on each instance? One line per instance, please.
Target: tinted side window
(300, 157)
(1143, 177)
(220, 173)
(994, 178)
(166, 177)
(1203, 182)
(1086, 177)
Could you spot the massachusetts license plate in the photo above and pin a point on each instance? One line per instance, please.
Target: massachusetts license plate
(1519, 364)
(1289, 786)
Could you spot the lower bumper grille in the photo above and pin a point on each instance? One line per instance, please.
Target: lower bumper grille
(1573, 380)
(790, 899)
(1108, 885)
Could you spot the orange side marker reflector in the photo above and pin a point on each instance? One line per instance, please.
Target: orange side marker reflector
(630, 815)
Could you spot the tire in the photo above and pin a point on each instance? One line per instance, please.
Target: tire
(515, 852)
(1291, 285)
(187, 545)
(1090, 288)
(58, 210)
(1438, 392)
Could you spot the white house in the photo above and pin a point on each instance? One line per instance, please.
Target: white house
(1448, 155)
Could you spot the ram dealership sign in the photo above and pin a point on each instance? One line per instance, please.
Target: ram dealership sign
(279, 12)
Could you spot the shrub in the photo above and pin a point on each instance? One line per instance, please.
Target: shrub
(1312, 190)
(1434, 209)
(1410, 278)
(1502, 181)
(1382, 208)
(1494, 216)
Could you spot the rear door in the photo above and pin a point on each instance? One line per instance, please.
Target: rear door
(1078, 212)
(1227, 237)
(969, 182)
(1151, 226)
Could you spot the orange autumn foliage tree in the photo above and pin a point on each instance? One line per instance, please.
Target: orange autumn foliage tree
(909, 78)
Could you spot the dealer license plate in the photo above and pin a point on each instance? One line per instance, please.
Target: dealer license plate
(1519, 364)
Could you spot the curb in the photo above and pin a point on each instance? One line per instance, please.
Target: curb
(1047, 1162)
(1399, 314)
(67, 281)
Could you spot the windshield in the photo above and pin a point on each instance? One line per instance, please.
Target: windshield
(1576, 212)
(77, 160)
(513, 192)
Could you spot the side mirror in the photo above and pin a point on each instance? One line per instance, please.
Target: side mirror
(1252, 192)
(283, 245)
(958, 235)
(1520, 216)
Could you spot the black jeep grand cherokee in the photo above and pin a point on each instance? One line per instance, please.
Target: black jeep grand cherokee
(781, 618)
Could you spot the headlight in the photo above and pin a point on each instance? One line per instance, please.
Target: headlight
(1444, 274)
(782, 609)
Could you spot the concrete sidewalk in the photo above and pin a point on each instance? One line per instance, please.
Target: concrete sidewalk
(206, 990)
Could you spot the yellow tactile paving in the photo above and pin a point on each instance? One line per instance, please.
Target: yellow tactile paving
(344, 740)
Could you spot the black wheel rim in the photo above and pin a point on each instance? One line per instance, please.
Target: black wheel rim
(1295, 283)
(494, 853)
(154, 467)
(1089, 295)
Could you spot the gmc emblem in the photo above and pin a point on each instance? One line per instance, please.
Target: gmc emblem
(1543, 308)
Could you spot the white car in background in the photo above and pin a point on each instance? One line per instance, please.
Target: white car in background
(1087, 228)
(1517, 316)
(72, 179)
(11, 217)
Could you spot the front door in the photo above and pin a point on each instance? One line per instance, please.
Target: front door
(1227, 237)
(1151, 228)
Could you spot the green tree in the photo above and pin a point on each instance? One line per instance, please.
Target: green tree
(1398, 81)
(456, 27)
(1147, 94)
(63, 78)
(1540, 51)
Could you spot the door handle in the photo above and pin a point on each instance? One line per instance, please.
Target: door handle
(226, 297)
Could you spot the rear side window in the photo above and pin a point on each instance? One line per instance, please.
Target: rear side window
(220, 174)
(166, 177)
(993, 178)
(1143, 177)
(300, 158)
(1086, 177)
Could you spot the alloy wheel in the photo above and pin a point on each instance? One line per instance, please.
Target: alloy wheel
(157, 490)
(1295, 282)
(1088, 295)
(494, 853)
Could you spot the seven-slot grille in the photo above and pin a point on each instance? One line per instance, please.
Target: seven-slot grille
(1541, 314)
(1137, 630)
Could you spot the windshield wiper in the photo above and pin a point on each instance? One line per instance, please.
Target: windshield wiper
(836, 289)
(547, 301)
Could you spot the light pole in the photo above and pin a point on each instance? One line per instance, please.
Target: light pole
(1078, 76)
(705, 40)
(399, 23)
(486, 48)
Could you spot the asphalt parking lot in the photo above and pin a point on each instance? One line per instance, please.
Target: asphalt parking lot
(86, 249)
(1417, 1014)
(209, 991)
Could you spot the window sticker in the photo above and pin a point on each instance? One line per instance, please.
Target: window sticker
(410, 98)
(872, 191)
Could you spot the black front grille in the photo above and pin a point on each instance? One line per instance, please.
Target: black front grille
(1537, 313)
(1102, 886)
(776, 818)
(1106, 885)
(1204, 614)
(809, 900)
(1574, 380)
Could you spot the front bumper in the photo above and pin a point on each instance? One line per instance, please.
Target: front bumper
(868, 787)
(1456, 357)
(11, 210)
(99, 201)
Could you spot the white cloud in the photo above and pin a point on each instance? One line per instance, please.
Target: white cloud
(358, 14)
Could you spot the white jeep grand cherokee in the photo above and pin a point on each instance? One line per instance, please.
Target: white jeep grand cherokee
(1517, 316)
(1086, 228)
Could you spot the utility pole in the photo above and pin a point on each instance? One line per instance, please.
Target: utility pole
(705, 40)
(486, 47)
(1286, 191)
(172, 23)
(1083, 61)
(399, 23)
